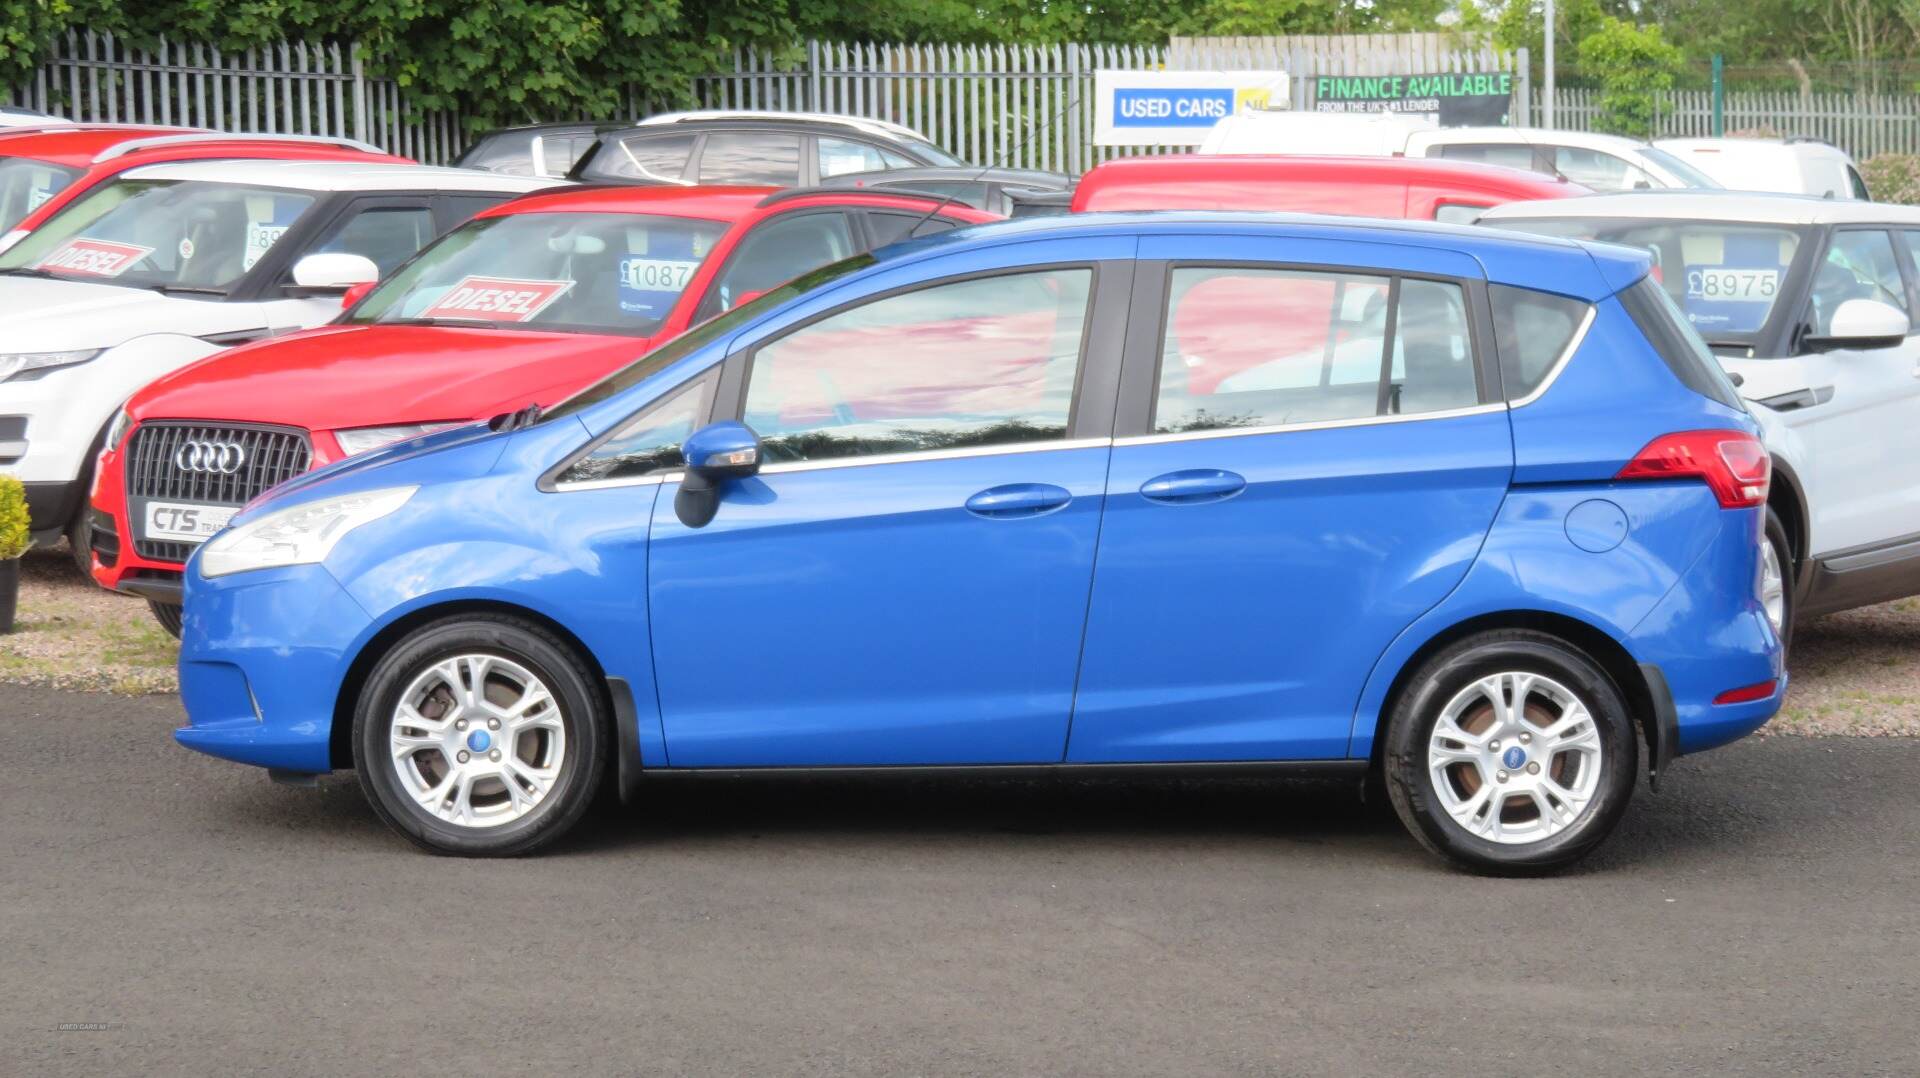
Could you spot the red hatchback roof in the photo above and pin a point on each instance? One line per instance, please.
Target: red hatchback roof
(1359, 185)
(74, 147)
(705, 203)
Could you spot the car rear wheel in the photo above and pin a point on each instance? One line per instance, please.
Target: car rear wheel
(167, 614)
(480, 735)
(1510, 753)
(1776, 582)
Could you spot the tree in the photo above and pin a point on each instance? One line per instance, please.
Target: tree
(1633, 65)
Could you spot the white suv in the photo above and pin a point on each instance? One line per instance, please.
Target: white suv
(1604, 163)
(170, 263)
(1810, 304)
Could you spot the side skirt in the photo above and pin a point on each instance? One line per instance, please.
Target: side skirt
(1862, 576)
(1296, 769)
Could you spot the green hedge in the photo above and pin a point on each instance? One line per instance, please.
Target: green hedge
(1893, 177)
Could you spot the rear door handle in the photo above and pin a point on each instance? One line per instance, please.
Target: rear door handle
(1018, 500)
(1192, 487)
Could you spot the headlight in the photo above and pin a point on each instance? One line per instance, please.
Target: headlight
(302, 535)
(116, 430)
(361, 439)
(12, 363)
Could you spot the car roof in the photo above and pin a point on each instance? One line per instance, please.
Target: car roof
(710, 203)
(1176, 169)
(1586, 270)
(862, 123)
(75, 145)
(1529, 136)
(1706, 205)
(705, 203)
(1031, 177)
(1758, 147)
(342, 176)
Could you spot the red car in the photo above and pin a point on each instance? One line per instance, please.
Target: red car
(1414, 188)
(528, 302)
(44, 168)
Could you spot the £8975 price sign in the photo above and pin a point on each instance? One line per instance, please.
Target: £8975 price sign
(1752, 285)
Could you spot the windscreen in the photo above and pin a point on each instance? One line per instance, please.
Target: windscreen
(26, 183)
(1677, 165)
(566, 272)
(1724, 277)
(184, 235)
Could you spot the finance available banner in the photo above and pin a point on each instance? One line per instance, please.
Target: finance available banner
(1454, 99)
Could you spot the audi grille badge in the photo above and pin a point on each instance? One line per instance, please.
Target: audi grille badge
(209, 458)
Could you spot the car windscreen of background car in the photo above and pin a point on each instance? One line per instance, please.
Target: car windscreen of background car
(1724, 277)
(26, 183)
(567, 272)
(170, 234)
(1679, 167)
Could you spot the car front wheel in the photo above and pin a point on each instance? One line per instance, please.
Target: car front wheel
(1511, 753)
(480, 735)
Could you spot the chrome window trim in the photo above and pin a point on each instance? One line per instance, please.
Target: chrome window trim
(650, 480)
(934, 454)
(1325, 424)
(1560, 364)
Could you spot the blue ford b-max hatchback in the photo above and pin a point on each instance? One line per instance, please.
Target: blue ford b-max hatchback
(1473, 509)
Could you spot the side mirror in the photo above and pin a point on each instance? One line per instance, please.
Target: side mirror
(715, 453)
(1862, 323)
(336, 272)
(355, 293)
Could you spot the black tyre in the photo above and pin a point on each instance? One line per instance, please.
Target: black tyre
(482, 735)
(1510, 753)
(168, 615)
(1777, 588)
(80, 542)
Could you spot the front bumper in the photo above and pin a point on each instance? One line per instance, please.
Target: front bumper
(249, 695)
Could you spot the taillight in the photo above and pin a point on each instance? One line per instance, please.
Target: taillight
(1734, 464)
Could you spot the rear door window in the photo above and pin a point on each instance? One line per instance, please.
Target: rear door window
(777, 252)
(1512, 155)
(750, 158)
(1261, 348)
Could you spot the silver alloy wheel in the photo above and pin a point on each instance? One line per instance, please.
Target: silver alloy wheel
(1773, 588)
(1515, 757)
(478, 740)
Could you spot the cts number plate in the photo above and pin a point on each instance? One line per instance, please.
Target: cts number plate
(186, 523)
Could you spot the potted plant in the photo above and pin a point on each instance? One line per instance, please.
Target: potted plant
(15, 537)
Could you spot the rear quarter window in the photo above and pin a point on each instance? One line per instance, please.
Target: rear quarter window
(1531, 331)
(1678, 343)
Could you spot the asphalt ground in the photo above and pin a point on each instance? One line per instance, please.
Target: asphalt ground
(163, 913)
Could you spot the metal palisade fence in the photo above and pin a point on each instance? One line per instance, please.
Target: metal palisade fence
(1861, 124)
(289, 88)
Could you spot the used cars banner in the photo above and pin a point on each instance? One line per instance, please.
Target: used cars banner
(1175, 108)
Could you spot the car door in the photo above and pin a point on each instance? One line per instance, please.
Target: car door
(1309, 456)
(1863, 414)
(905, 581)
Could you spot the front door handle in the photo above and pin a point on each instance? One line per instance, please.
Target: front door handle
(1018, 500)
(1192, 487)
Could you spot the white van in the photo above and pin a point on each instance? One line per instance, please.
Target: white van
(1605, 163)
(1796, 166)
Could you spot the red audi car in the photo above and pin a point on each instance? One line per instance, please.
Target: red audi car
(44, 168)
(528, 302)
(1414, 188)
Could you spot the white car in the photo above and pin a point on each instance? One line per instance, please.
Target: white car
(13, 116)
(1809, 304)
(169, 263)
(1604, 163)
(1792, 166)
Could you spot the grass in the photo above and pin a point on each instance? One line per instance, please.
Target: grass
(70, 633)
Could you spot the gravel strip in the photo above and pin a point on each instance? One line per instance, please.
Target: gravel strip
(1856, 673)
